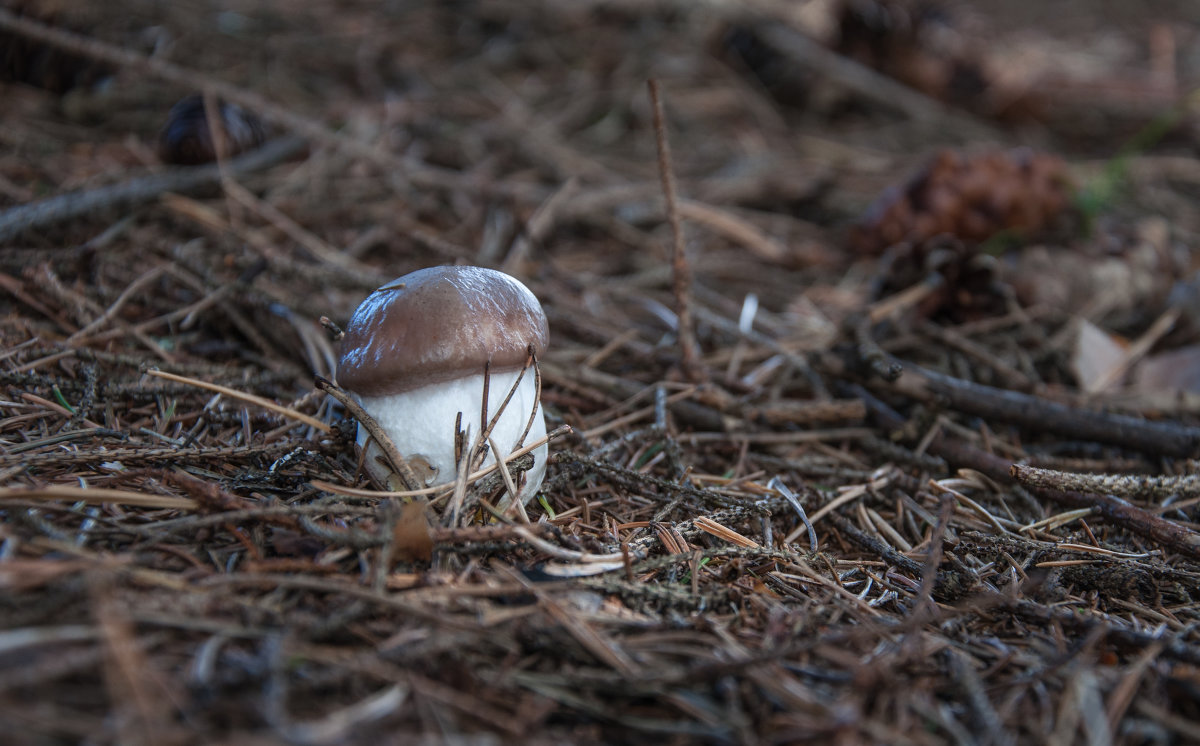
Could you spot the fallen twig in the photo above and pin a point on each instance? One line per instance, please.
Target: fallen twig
(1037, 413)
(680, 272)
(1118, 511)
(72, 205)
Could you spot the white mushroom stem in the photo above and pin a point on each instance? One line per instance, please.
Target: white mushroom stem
(421, 424)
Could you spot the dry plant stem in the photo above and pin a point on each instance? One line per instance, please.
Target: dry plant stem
(809, 413)
(680, 272)
(72, 205)
(485, 428)
(1121, 485)
(64, 437)
(243, 396)
(398, 462)
(810, 436)
(735, 229)
(458, 497)
(132, 455)
(97, 496)
(509, 484)
(537, 397)
(486, 425)
(531, 360)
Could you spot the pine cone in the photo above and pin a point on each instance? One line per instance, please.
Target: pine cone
(969, 197)
(186, 139)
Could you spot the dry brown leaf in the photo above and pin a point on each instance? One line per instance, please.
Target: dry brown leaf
(1095, 356)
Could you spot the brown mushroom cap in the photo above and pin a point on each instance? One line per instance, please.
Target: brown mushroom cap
(438, 324)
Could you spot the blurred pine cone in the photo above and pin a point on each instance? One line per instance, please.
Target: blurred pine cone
(969, 197)
(186, 139)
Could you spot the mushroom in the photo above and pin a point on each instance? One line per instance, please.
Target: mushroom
(416, 354)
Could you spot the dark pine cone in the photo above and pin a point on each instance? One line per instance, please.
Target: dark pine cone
(186, 139)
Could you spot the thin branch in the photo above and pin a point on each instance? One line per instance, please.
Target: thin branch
(66, 207)
(680, 271)
(243, 396)
(377, 433)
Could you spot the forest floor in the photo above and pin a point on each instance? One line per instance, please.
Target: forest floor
(893, 443)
